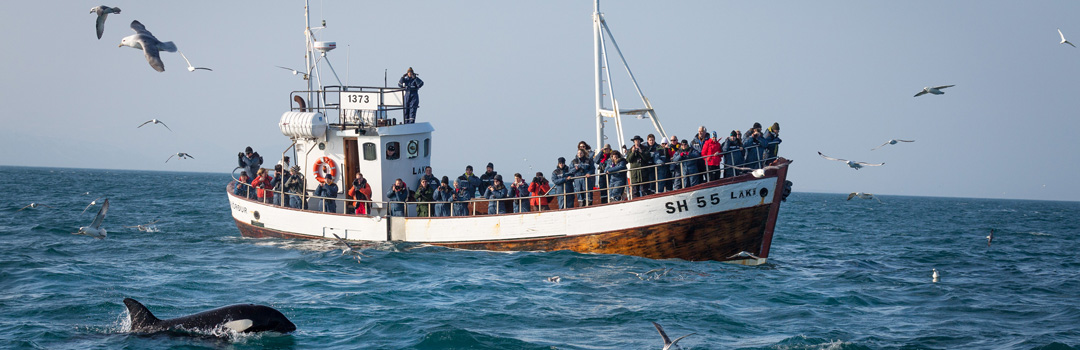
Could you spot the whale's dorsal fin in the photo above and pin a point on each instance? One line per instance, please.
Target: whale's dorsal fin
(239, 325)
(139, 315)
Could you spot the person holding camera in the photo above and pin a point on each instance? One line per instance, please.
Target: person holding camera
(295, 186)
(463, 193)
(616, 170)
(583, 168)
(687, 156)
(636, 158)
(412, 85)
(425, 194)
(249, 160)
(560, 177)
(538, 189)
(771, 140)
(328, 190)
(443, 193)
(397, 196)
(753, 147)
(733, 153)
(520, 190)
(360, 191)
(495, 194)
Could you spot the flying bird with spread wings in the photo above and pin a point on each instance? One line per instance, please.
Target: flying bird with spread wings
(151, 46)
(155, 121)
(891, 142)
(1063, 41)
(180, 155)
(851, 163)
(103, 13)
(191, 68)
(95, 230)
(933, 90)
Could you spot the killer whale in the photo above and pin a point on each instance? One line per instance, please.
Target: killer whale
(245, 318)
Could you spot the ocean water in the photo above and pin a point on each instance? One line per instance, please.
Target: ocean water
(841, 275)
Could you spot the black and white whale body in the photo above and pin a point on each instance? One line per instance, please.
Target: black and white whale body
(246, 318)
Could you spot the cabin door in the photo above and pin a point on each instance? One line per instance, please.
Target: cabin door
(352, 166)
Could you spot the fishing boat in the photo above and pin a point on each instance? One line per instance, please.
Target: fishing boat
(336, 131)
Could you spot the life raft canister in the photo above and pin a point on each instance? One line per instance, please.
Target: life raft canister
(325, 168)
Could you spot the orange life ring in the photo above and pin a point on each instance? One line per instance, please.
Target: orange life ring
(324, 168)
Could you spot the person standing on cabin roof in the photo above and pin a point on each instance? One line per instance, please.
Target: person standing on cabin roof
(397, 196)
(443, 193)
(539, 189)
(582, 168)
(487, 179)
(771, 140)
(411, 83)
(249, 160)
(328, 190)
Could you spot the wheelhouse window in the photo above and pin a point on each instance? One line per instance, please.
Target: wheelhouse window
(369, 151)
(427, 148)
(393, 150)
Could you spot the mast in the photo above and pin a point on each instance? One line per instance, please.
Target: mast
(601, 32)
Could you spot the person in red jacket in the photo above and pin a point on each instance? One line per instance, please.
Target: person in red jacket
(263, 189)
(711, 151)
(539, 189)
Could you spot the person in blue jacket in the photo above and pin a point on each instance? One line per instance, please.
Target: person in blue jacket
(771, 140)
(520, 190)
(561, 184)
(601, 162)
(399, 194)
(249, 160)
(616, 170)
(495, 195)
(328, 189)
(663, 169)
(690, 167)
(443, 193)
(753, 147)
(412, 84)
(583, 166)
(475, 185)
(462, 195)
(733, 154)
(428, 177)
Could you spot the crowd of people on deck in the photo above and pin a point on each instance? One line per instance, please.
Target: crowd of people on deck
(645, 167)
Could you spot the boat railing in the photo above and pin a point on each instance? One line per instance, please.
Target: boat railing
(600, 193)
(348, 107)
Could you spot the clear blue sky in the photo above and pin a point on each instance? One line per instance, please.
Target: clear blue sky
(508, 81)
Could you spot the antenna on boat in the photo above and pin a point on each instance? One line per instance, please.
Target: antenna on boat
(601, 33)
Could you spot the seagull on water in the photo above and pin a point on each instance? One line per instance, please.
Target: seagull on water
(180, 155)
(891, 142)
(990, 238)
(151, 46)
(933, 90)
(668, 343)
(1058, 32)
(92, 203)
(33, 206)
(294, 72)
(851, 163)
(95, 230)
(155, 121)
(102, 13)
(191, 68)
(554, 279)
(936, 275)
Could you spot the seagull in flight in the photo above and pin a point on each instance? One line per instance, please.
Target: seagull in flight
(294, 72)
(155, 121)
(933, 90)
(180, 155)
(851, 163)
(190, 68)
(102, 13)
(862, 195)
(95, 230)
(92, 203)
(151, 46)
(891, 142)
(668, 343)
(33, 206)
(990, 238)
(349, 249)
(1058, 32)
